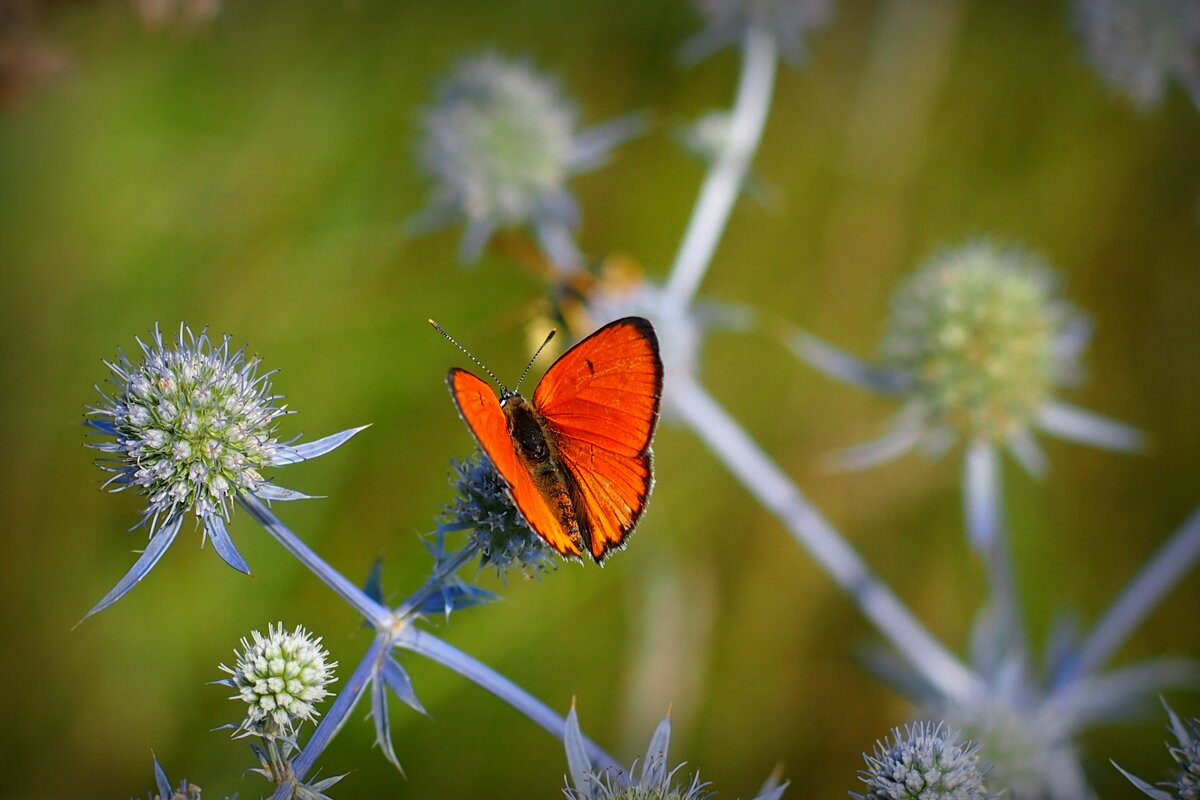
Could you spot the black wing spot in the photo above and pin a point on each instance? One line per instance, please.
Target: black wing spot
(590, 365)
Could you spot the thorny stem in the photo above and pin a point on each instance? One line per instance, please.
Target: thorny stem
(435, 581)
(1160, 574)
(435, 649)
(725, 178)
(378, 615)
(776, 492)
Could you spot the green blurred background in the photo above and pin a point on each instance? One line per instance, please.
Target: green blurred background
(252, 175)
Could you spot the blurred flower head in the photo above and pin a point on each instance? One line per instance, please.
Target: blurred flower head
(1031, 754)
(976, 328)
(655, 780)
(499, 531)
(789, 22)
(923, 762)
(1137, 46)
(977, 341)
(499, 145)
(279, 677)
(1185, 784)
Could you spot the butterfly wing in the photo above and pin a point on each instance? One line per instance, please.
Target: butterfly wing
(601, 398)
(480, 409)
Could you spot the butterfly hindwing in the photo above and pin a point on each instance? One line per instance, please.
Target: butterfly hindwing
(601, 399)
(480, 409)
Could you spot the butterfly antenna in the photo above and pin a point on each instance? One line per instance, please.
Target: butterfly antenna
(471, 356)
(549, 336)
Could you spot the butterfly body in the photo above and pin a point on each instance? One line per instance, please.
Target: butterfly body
(535, 443)
(576, 458)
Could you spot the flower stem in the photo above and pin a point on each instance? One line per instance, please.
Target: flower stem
(443, 653)
(377, 614)
(435, 581)
(771, 487)
(983, 504)
(1160, 574)
(724, 180)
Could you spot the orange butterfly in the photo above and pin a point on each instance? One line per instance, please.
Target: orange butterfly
(577, 458)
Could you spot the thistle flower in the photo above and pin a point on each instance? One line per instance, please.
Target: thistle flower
(279, 677)
(655, 781)
(1186, 754)
(976, 344)
(498, 530)
(194, 427)
(1031, 753)
(924, 762)
(500, 145)
(1137, 46)
(790, 22)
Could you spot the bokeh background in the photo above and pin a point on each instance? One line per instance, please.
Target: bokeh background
(252, 174)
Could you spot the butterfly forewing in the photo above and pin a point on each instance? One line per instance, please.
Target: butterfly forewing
(601, 399)
(480, 409)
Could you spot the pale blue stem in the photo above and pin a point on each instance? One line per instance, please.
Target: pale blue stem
(772, 487)
(336, 716)
(378, 615)
(435, 649)
(1158, 577)
(436, 580)
(724, 180)
(983, 505)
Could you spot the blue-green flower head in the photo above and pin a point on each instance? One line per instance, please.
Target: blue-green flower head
(280, 677)
(499, 145)
(1185, 784)
(1138, 46)
(1027, 742)
(498, 530)
(789, 22)
(194, 425)
(193, 428)
(653, 779)
(977, 328)
(923, 762)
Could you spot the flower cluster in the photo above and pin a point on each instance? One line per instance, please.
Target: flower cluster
(655, 780)
(499, 531)
(923, 762)
(975, 327)
(1186, 754)
(1137, 46)
(194, 425)
(499, 146)
(789, 22)
(280, 677)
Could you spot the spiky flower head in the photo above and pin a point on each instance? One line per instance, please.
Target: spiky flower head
(483, 505)
(1137, 46)
(976, 327)
(194, 425)
(789, 22)
(654, 781)
(1186, 754)
(279, 677)
(923, 762)
(499, 145)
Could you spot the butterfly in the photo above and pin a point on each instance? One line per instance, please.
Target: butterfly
(576, 459)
